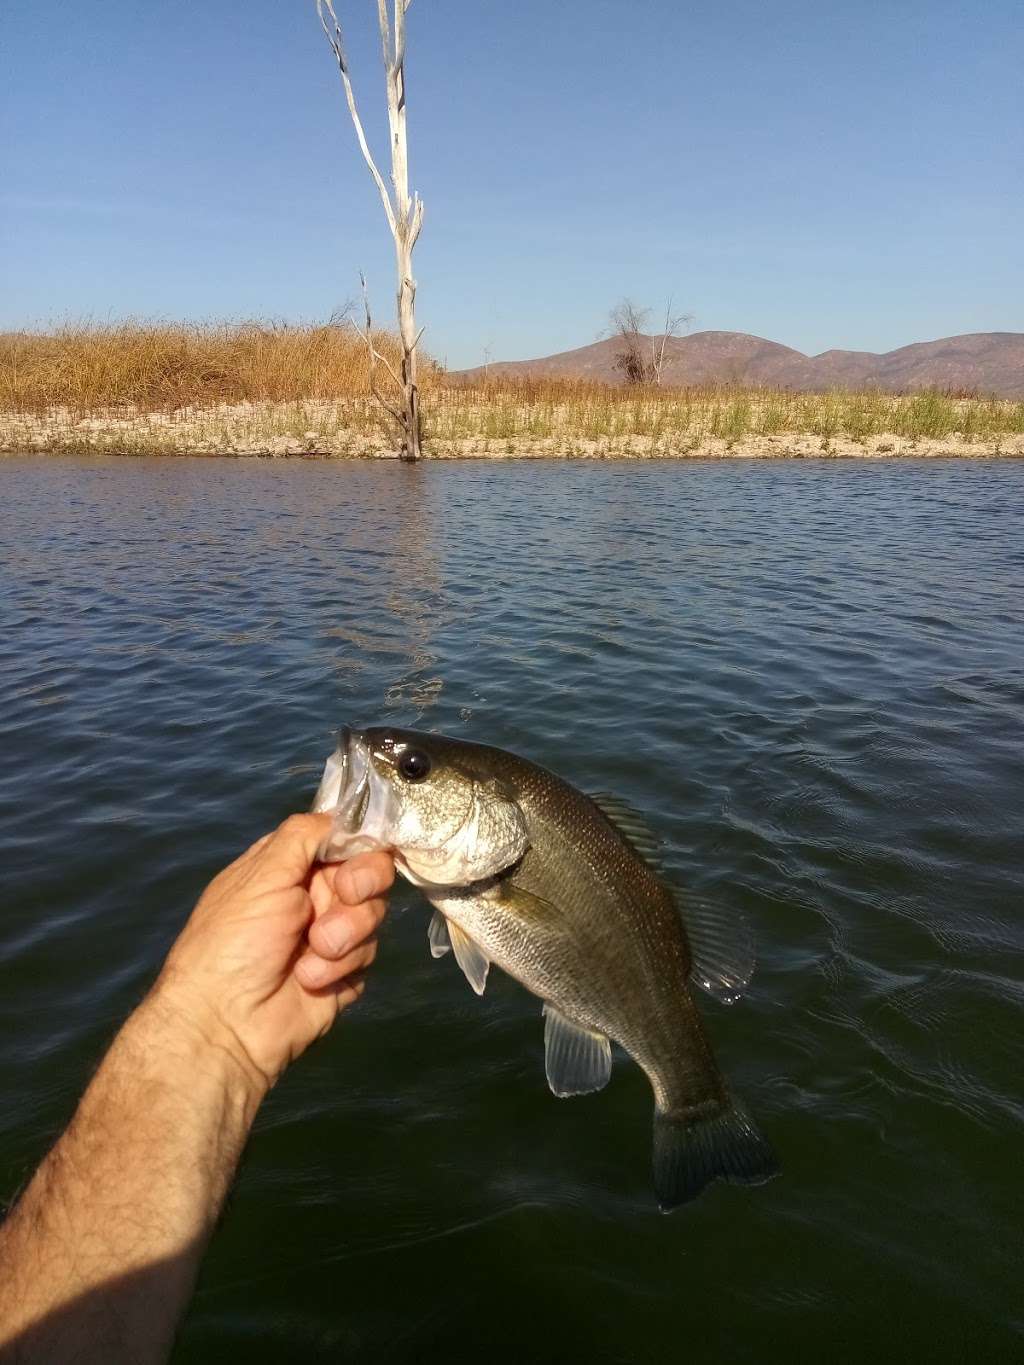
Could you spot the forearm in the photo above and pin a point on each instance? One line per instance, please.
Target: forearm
(99, 1255)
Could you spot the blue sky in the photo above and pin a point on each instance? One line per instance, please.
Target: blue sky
(827, 174)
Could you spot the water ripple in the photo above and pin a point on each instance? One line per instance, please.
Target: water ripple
(808, 674)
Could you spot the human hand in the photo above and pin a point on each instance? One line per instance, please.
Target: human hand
(276, 946)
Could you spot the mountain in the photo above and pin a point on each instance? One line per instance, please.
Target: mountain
(986, 362)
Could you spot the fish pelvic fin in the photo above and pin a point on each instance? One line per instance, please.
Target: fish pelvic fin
(691, 1152)
(437, 935)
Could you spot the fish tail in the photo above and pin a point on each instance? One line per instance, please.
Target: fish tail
(691, 1152)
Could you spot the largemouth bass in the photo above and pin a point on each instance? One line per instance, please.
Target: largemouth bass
(559, 890)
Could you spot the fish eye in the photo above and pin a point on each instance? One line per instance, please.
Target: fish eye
(414, 765)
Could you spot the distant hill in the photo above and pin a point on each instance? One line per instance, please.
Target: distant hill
(988, 362)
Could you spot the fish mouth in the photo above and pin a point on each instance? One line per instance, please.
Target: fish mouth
(357, 796)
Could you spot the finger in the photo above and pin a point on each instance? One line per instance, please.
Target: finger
(317, 973)
(321, 892)
(352, 882)
(362, 877)
(350, 990)
(293, 847)
(341, 930)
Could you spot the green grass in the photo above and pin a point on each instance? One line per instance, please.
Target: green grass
(596, 413)
(250, 385)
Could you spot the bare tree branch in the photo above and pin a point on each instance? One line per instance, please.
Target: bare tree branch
(640, 357)
(375, 356)
(337, 43)
(415, 221)
(627, 322)
(673, 326)
(404, 212)
(385, 33)
(399, 46)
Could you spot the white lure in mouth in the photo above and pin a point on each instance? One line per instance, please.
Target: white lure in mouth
(361, 802)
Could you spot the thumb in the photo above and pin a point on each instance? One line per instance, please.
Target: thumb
(294, 847)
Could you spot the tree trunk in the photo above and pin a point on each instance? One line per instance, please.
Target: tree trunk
(412, 440)
(408, 214)
(404, 212)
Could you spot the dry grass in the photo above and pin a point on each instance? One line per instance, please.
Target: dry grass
(151, 386)
(155, 367)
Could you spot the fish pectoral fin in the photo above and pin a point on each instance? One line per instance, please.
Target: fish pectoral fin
(437, 935)
(473, 961)
(577, 1060)
(527, 907)
(721, 943)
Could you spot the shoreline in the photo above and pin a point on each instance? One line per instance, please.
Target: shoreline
(343, 431)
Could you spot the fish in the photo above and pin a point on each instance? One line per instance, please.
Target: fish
(563, 891)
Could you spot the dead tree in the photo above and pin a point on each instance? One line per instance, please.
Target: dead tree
(404, 212)
(627, 323)
(641, 358)
(674, 324)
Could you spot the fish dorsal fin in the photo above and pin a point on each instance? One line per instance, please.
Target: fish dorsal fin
(577, 1060)
(721, 941)
(437, 935)
(630, 824)
(473, 961)
(721, 945)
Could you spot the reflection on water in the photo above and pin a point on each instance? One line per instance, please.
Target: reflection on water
(416, 599)
(812, 678)
(393, 604)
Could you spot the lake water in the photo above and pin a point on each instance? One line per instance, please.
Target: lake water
(809, 674)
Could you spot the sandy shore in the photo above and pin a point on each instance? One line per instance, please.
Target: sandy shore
(320, 430)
